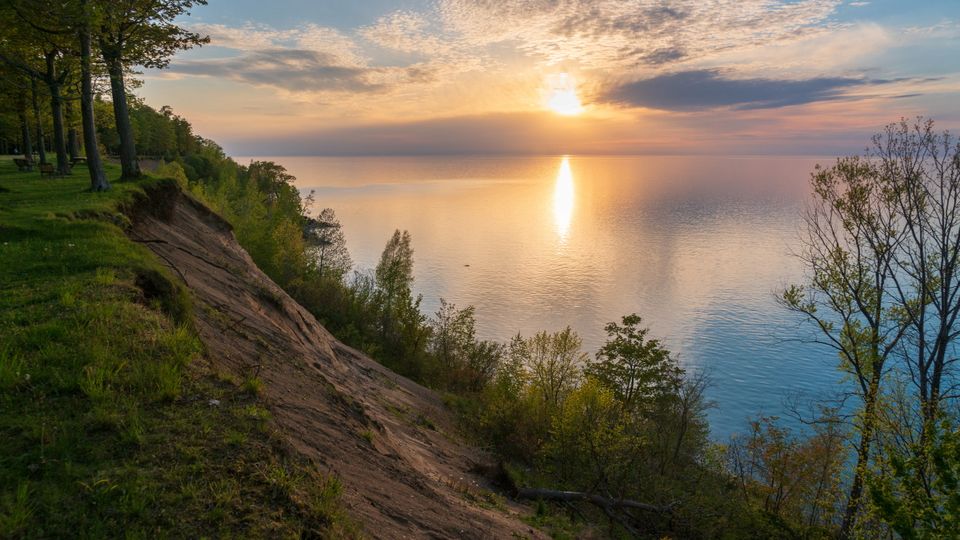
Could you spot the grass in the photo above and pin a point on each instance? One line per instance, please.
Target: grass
(107, 424)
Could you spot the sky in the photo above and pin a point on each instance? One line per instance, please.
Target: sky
(328, 77)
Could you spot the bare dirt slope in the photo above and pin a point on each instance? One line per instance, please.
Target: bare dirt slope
(390, 440)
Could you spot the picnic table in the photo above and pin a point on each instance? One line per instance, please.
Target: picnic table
(23, 164)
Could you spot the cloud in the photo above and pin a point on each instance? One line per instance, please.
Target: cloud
(299, 70)
(601, 34)
(708, 89)
(498, 40)
(256, 37)
(404, 31)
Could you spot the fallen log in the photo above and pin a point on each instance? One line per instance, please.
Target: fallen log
(603, 502)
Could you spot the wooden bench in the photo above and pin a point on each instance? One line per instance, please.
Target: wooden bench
(47, 168)
(23, 164)
(78, 159)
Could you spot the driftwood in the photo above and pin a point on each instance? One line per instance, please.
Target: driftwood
(602, 502)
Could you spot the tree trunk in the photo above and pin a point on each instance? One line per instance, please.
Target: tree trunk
(130, 168)
(98, 179)
(863, 461)
(575, 496)
(56, 108)
(36, 115)
(25, 132)
(73, 144)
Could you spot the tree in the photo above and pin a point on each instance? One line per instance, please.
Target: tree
(634, 368)
(555, 362)
(465, 363)
(791, 482)
(403, 329)
(883, 249)
(52, 26)
(453, 335)
(324, 235)
(36, 46)
(139, 33)
(13, 87)
(98, 178)
(923, 169)
(394, 272)
(852, 233)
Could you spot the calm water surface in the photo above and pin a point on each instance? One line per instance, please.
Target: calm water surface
(696, 245)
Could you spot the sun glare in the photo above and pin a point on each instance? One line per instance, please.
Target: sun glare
(562, 97)
(563, 196)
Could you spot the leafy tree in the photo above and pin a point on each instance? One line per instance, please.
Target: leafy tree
(453, 335)
(791, 483)
(13, 88)
(636, 369)
(596, 445)
(883, 254)
(98, 178)
(465, 363)
(555, 362)
(50, 27)
(922, 169)
(852, 232)
(394, 272)
(37, 47)
(324, 235)
(139, 33)
(403, 329)
(35, 101)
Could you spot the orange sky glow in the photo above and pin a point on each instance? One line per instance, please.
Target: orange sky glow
(574, 76)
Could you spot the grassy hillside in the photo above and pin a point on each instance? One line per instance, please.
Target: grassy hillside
(112, 422)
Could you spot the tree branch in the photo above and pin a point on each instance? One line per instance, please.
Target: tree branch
(602, 502)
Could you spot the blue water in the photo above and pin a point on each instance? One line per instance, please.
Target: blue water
(698, 246)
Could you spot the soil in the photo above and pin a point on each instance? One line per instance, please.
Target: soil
(393, 444)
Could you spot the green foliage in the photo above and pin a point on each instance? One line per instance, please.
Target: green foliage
(880, 250)
(264, 208)
(555, 362)
(325, 238)
(920, 495)
(636, 369)
(594, 441)
(464, 363)
(402, 327)
(790, 484)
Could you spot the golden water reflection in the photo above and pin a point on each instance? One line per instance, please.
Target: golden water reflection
(563, 198)
(693, 244)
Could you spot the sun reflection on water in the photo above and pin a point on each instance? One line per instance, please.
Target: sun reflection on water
(563, 195)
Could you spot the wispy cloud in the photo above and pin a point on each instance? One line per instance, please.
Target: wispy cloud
(604, 34)
(406, 31)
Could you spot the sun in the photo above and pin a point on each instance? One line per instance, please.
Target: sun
(562, 95)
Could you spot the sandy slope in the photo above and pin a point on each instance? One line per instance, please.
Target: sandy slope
(390, 440)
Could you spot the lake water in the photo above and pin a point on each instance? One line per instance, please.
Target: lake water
(697, 246)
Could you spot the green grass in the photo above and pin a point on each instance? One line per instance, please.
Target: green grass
(107, 428)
